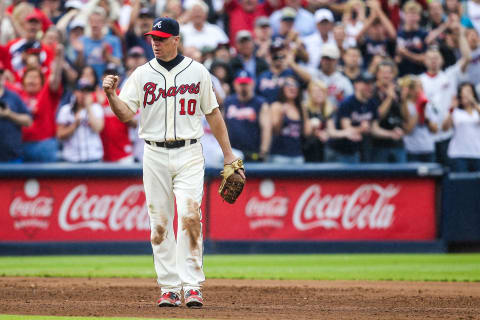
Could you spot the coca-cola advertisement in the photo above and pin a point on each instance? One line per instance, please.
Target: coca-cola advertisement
(358, 209)
(74, 210)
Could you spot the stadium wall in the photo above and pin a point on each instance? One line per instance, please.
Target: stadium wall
(315, 208)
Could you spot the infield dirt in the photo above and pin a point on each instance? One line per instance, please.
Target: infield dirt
(244, 299)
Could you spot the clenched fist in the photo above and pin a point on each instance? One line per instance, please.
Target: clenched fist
(110, 84)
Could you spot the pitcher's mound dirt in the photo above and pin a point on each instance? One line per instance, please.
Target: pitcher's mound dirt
(244, 299)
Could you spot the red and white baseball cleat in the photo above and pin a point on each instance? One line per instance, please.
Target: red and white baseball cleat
(193, 299)
(169, 299)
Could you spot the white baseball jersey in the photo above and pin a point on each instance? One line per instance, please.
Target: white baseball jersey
(171, 103)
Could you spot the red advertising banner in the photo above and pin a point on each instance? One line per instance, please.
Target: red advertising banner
(359, 209)
(74, 210)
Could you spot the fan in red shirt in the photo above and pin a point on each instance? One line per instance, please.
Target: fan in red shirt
(242, 14)
(117, 146)
(18, 49)
(43, 18)
(42, 97)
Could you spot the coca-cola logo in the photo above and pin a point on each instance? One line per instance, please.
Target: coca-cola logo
(124, 212)
(268, 208)
(367, 207)
(31, 208)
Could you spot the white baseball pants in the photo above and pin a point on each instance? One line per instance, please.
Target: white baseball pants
(178, 174)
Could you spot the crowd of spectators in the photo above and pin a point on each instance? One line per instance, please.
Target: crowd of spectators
(297, 80)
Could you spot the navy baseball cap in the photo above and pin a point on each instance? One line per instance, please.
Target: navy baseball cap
(243, 77)
(164, 28)
(365, 77)
(84, 85)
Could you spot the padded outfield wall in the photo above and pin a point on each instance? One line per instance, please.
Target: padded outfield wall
(314, 208)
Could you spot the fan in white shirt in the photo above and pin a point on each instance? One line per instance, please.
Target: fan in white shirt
(199, 33)
(440, 87)
(418, 139)
(79, 125)
(464, 148)
(314, 42)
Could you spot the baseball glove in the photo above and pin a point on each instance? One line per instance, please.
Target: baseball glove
(232, 182)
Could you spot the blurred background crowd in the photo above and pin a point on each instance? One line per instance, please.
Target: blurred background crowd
(385, 81)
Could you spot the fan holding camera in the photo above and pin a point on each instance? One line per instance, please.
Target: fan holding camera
(79, 124)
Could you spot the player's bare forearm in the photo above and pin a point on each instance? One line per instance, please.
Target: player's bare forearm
(120, 108)
(219, 130)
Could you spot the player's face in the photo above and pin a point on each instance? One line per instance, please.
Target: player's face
(165, 48)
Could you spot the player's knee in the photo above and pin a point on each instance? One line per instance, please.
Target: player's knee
(158, 235)
(191, 223)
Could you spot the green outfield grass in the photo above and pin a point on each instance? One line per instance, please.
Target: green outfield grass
(409, 267)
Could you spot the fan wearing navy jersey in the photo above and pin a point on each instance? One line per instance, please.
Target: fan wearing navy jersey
(290, 124)
(355, 113)
(388, 129)
(248, 120)
(411, 41)
(377, 37)
(269, 82)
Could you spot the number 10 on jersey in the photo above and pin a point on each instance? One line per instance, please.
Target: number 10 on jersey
(191, 105)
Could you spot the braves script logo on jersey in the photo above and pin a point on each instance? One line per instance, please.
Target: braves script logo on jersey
(152, 94)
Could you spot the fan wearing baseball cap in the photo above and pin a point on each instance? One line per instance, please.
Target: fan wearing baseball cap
(165, 35)
(324, 21)
(100, 49)
(13, 115)
(34, 23)
(134, 37)
(270, 81)
(246, 58)
(199, 33)
(339, 86)
(302, 19)
(355, 116)
(247, 112)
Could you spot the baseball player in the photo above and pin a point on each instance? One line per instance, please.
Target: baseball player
(172, 93)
